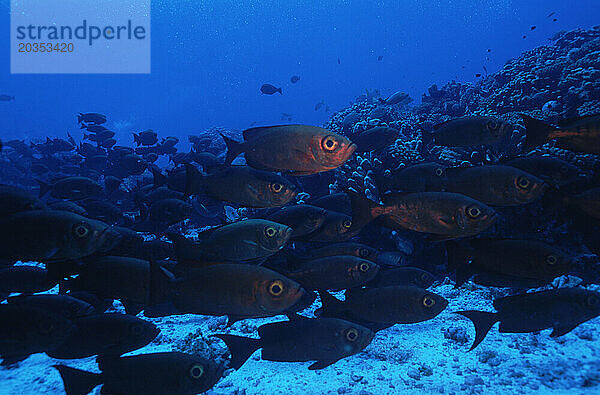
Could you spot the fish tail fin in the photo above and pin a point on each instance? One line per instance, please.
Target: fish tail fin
(330, 305)
(234, 148)
(240, 348)
(193, 180)
(458, 261)
(137, 139)
(483, 322)
(364, 210)
(78, 382)
(158, 178)
(426, 137)
(279, 90)
(537, 132)
(44, 187)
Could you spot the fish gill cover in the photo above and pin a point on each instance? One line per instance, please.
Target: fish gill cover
(396, 244)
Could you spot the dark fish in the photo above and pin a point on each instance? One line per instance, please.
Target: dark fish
(112, 184)
(135, 282)
(404, 276)
(507, 263)
(100, 136)
(238, 291)
(6, 98)
(477, 75)
(495, 185)
(91, 117)
(386, 258)
(560, 309)
(334, 272)
(302, 218)
(150, 374)
(102, 210)
(300, 149)
(24, 279)
(49, 235)
(240, 241)
(380, 58)
(25, 331)
(554, 171)
(470, 131)
(397, 98)
(14, 200)
(325, 340)
(96, 129)
(170, 211)
(387, 305)
(374, 139)
(338, 202)
(445, 215)
(65, 205)
(71, 188)
(133, 245)
(339, 61)
(319, 105)
(65, 305)
(588, 202)
(241, 185)
(268, 89)
(108, 143)
(550, 14)
(293, 80)
(533, 28)
(580, 134)
(105, 334)
(424, 177)
(147, 137)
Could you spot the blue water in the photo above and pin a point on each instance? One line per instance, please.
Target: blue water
(210, 58)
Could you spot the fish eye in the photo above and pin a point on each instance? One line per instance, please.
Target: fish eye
(270, 231)
(439, 172)
(424, 277)
(564, 169)
(81, 230)
(363, 252)
(592, 300)
(523, 182)
(276, 288)
(364, 267)
(428, 301)
(347, 224)
(551, 259)
(276, 187)
(196, 371)
(351, 334)
(329, 143)
(492, 124)
(473, 212)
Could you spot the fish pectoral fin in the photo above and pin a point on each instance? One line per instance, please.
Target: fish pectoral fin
(250, 242)
(322, 364)
(560, 330)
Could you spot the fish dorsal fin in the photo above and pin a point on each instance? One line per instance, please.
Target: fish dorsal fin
(570, 121)
(440, 125)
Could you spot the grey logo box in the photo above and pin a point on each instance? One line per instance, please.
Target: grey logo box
(80, 37)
